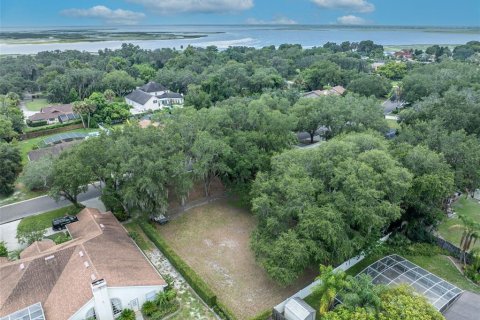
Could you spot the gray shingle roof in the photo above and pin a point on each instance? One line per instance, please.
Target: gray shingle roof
(167, 95)
(139, 96)
(152, 87)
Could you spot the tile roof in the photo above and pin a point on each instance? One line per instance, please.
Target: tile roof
(152, 87)
(101, 248)
(52, 112)
(139, 96)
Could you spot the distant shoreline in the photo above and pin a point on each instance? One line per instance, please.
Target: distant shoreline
(92, 39)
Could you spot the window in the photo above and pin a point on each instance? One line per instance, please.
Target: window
(154, 101)
(91, 314)
(116, 306)
(150, 296)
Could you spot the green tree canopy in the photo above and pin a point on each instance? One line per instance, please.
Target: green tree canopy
(11, 166)
(335, 199)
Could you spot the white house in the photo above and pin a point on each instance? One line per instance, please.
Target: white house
(152, 96)
(95, 275)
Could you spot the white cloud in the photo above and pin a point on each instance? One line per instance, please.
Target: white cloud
(118, 16)
(350, 5)
(351, 20)
(278, 20)
(198, 6)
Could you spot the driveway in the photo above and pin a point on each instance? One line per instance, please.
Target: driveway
(27, 113)
(8, 230)
(389, 106)
(22, 209)
(467, 307)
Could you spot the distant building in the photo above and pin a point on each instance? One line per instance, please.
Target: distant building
(404, 54)
(95, 275)
(377, 65)
(152, 96)
(337, 90)
(55, 113)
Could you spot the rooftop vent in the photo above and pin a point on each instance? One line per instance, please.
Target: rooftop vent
(49, 257)
(86, 264)
(80, 253)
(102, 226)
(93, 277)
(22, 266)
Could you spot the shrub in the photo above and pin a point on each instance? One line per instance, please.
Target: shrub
(149, 308)
(62, 237)
(200, 287)
(3, 249)
(37, 123)
(121, 215)
(127, 314)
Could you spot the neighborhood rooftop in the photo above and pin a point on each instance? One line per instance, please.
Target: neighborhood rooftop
(64, 110)
(170, 95)
(62, 275)
(139, 96)
(152, 87)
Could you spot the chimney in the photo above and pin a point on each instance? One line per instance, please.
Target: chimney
(103, 306)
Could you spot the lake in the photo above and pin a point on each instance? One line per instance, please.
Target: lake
(253, 36)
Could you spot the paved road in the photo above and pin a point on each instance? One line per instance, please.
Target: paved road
(22, 209)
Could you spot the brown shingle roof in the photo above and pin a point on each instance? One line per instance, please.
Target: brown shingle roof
(101, 248)
(51, 112)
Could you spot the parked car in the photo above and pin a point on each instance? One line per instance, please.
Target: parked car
(61, 223)
(160, 219)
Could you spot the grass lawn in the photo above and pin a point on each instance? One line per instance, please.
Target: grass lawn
(214, 240)
(21, 193)
(449, 228)
(36, 104)
(44, 220)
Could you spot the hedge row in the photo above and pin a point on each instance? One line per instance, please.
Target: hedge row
(265, 315)
(223, 312)
(45, 131)
(36, 124)
(200, 287)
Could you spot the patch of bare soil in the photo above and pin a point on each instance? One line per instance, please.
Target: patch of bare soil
(215, 241)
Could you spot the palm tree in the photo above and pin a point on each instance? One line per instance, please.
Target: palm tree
(471, 232)
(331, 283)
(362, 292)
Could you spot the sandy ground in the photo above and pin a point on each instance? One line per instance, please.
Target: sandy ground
(214, 240)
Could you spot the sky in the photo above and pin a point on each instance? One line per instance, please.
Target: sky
(15, 13)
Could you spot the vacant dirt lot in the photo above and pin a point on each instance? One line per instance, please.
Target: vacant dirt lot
(214, 241)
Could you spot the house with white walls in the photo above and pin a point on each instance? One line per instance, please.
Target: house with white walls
(152, 96)
(95, 275)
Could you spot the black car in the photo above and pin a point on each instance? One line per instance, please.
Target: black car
(160, 219)
(60, 223)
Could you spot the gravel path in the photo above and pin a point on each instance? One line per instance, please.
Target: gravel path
(192, 307)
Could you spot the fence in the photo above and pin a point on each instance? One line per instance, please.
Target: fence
(40, 133)
(305, 292)
(453, 249)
